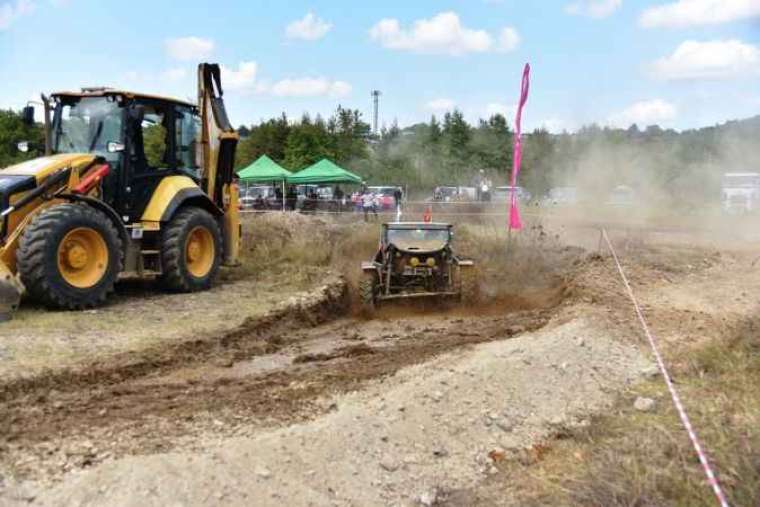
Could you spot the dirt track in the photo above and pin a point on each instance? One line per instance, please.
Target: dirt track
(263, 407)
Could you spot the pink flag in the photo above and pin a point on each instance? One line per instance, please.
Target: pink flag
(514, 212)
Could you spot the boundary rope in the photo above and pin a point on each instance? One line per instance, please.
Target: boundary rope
(712, 479)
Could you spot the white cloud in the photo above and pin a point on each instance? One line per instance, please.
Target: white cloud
(310, 87)
(189, 48)
(441, 34)
(244, 78)
(644, 113)
(310, 27)
(594, 8)
(441, 105)
(698, 12)
(509, 39)
(11, 11)
(718, 59)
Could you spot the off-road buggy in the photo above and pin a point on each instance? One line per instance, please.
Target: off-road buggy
(414, 260)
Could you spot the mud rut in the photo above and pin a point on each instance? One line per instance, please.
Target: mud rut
(271, 371)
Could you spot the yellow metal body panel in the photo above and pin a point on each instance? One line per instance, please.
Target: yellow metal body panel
(41, 167)
(8, 249)
(232, 228)
(151, 226)
(162, 197)
(132, 95)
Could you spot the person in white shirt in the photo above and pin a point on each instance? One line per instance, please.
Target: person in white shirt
(368, 204)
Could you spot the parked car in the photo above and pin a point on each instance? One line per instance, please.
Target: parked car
(449, 193)
(385, 197)
(259, 197)
(560, 196)
(504, 193)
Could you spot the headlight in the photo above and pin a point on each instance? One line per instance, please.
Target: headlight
(414, 262)
(430, 262)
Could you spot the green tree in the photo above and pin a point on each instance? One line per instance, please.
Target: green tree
(307, 143)
(350, 135)
(457, 134)
(12, 131)
(492, 145)
(268, 138)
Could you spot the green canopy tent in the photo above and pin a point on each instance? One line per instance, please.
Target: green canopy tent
(265, 170)
(323, 171)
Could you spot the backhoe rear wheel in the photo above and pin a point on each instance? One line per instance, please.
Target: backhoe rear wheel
(191, 251)
(69, 257)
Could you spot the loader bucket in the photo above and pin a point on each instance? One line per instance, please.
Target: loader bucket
(10, 293)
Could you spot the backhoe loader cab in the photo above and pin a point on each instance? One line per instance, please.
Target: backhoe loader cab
(130, 185)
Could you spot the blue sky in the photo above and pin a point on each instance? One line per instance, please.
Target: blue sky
(679, 63)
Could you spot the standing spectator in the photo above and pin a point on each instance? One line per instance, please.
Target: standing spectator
(368, 204)
(339, 197)
(397, 196)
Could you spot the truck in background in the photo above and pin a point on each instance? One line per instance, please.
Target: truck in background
(740, 193)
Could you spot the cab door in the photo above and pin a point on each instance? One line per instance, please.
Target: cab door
(151, 156)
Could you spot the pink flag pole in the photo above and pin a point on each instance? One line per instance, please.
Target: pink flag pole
(514, 212)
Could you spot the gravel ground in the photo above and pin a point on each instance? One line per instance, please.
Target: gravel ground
(406, 440)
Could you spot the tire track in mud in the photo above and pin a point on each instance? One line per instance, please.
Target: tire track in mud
(154, 405)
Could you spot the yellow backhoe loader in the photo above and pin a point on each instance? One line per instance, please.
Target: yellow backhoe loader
(129, 185)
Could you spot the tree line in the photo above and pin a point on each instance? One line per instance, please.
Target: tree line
(682, 168)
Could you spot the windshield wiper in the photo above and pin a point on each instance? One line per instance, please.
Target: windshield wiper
(95, 138)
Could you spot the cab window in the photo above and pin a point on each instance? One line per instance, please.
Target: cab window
(186, 132)
(155, 141)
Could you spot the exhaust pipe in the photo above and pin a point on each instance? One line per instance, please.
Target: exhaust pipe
(10, 293)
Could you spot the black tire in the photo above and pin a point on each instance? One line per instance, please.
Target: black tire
(39, 264)
(176, 273)
(368, 291)
(469, 290)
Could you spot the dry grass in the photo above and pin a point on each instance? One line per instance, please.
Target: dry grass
(298, 249)
(629, 458)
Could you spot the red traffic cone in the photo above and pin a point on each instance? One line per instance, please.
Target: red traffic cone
(428, 216)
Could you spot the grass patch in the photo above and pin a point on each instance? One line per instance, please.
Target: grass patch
(630, 458)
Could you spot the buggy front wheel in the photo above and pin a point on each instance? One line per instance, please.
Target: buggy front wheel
(368, 291)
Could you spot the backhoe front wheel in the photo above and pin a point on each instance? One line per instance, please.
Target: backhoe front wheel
(191, 251)
(69, 257)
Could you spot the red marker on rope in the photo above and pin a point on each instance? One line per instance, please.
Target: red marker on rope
(514, 212)
(427, 217)
(712, 479)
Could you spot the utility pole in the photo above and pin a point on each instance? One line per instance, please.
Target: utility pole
(376, 108)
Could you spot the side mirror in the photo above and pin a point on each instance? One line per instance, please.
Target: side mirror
(114, 147)
(23, 146)
(27, 116)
